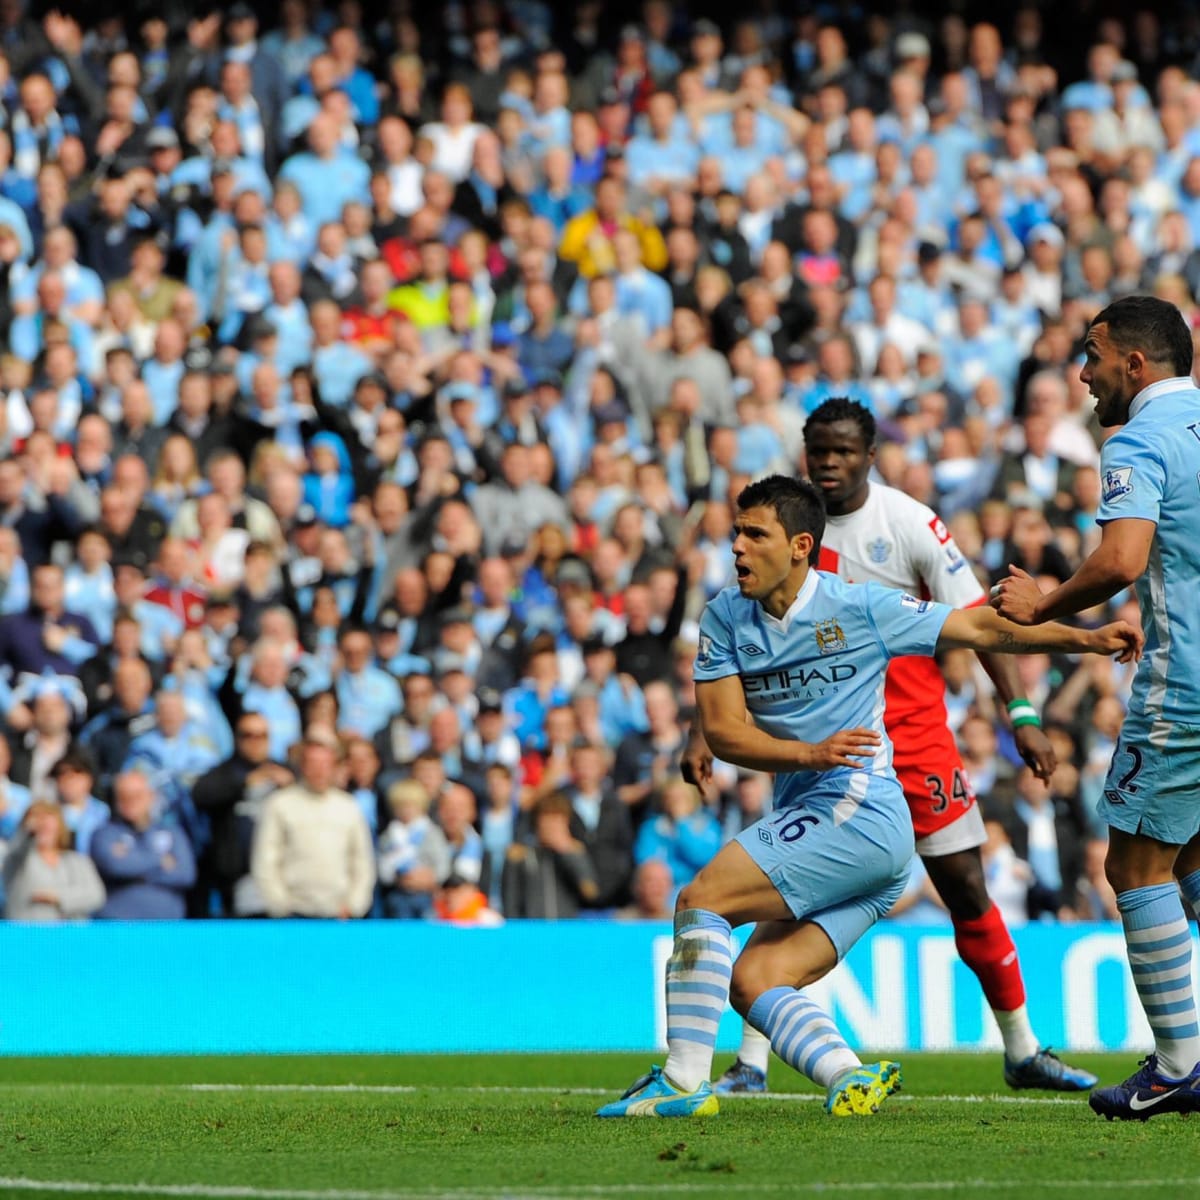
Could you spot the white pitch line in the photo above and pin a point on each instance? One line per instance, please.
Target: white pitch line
(369, 1089)
(388, 1089)
(568, 1192)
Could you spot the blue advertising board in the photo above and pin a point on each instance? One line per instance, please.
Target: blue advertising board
(209, 987)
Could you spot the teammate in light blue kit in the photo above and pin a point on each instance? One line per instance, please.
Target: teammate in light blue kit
(788, 657)
(1138, 366)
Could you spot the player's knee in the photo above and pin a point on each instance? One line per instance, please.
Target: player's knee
(744, 988)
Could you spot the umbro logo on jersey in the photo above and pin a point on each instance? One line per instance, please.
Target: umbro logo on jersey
(764, 835)
(751, 649)
(1114, 797)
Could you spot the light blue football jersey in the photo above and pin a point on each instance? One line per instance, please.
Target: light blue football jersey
(1150, 469)
(820, 670)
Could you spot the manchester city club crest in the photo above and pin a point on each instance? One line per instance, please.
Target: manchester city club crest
(879, 550)
(830, 638)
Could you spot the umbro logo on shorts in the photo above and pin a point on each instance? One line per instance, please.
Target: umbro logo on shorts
(764, 835)
(751, 648)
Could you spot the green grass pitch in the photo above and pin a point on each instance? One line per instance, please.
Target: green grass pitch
(493, 1128)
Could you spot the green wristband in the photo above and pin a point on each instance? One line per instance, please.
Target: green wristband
(1021, 712)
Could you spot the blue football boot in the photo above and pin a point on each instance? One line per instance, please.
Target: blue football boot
(1047, 1071)
(654, 1095)
(741, 1080)
(1146, 1093)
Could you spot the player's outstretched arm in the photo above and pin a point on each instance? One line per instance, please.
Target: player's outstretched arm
(986, 631)
(1120, 559)
(733, 739)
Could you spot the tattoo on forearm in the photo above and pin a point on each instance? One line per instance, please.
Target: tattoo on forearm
(1010, 644)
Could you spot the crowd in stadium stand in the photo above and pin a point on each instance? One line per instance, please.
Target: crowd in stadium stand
(377, 383)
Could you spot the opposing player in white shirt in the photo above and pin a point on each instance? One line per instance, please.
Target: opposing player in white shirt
(876, 534)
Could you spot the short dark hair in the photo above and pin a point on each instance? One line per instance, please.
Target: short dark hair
(840, 408)
(795, 502)
(1153, 326)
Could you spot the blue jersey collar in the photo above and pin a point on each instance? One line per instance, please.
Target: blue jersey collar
(1177, 383)
(807, 590)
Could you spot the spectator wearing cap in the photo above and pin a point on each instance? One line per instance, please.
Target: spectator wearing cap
(74, 778)
(622, 707)
(146, 864)
(267, 81)
(312, 854)
(368, 696)
(489, 741)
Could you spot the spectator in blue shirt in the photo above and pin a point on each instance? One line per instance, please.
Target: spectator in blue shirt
(559, 199)
(684, 835)
(368, 696)
(661, 157)
(147, 866)
(326, 175)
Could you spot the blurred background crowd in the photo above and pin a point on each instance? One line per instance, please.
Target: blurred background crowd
(377, 379)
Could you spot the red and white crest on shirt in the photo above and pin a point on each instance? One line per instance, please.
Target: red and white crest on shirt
(939, 530)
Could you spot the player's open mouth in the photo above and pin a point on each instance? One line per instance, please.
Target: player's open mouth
(743, 571)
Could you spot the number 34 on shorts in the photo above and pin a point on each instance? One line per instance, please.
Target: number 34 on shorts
(943, 792)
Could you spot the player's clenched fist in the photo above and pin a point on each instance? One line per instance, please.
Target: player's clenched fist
(848, 748)
(1017, 597)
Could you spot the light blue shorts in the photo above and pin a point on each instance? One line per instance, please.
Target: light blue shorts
(843, 877)
(1153, 784)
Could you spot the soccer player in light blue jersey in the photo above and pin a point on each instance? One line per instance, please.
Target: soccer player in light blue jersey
(1138, 366)
(790, 674)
